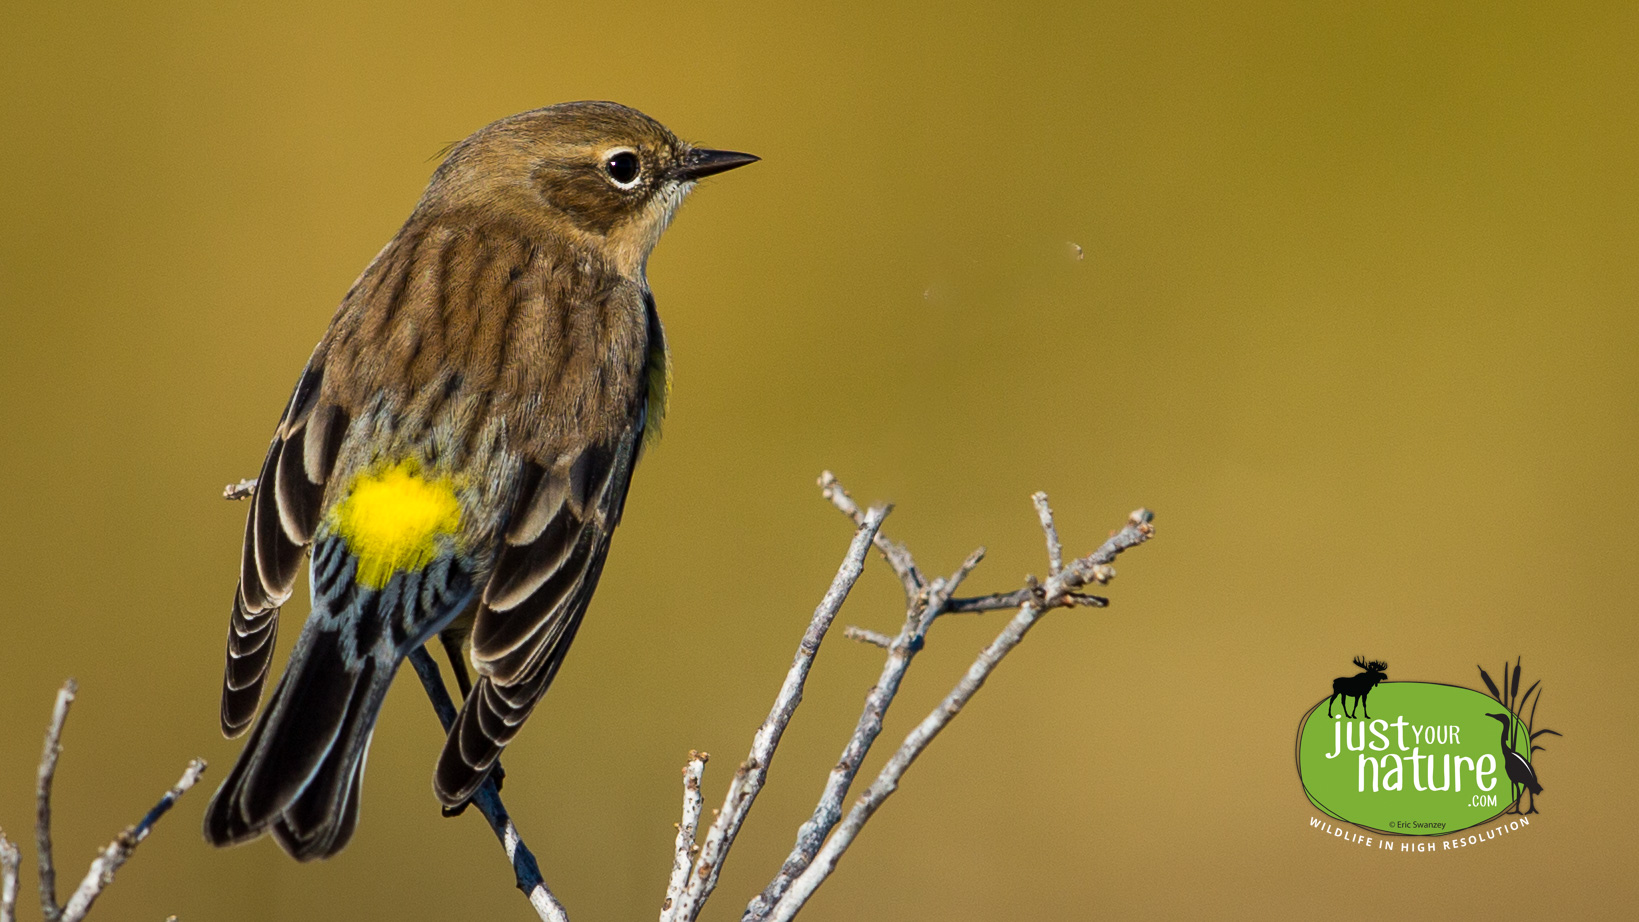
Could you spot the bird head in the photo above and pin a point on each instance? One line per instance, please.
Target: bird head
(1505, 718)
(597, 172)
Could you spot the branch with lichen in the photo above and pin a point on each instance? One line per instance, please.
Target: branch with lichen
(108, 861)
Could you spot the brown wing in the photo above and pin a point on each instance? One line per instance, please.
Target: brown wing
(552, 554)
(283, 515)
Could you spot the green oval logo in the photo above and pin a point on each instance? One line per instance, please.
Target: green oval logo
(1429, 760)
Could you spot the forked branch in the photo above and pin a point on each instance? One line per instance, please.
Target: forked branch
(108, 861)
(828, 833)
(748, 778)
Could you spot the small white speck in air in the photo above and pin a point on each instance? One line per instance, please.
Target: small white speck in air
(1075, 251)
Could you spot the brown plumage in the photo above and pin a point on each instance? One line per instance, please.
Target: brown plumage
(457, 455)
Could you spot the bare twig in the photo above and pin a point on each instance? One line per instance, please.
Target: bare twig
(50, 910)
(939, 595)
(1008, 601)
(901, 650)
(111, 858)
(864, 636)
(244, 489)
(107, 862)
(1095, 567)
(1058, 592)
(894, 553)
(683, 860)
(1055, 550)
(526, 872)
(8, 879)
(996, 601)
(748, 779)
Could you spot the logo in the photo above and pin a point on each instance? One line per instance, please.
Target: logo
(1436, 760)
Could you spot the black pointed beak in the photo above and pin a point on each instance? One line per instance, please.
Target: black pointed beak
(702, 162)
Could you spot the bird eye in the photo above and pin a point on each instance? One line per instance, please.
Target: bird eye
(623, 167)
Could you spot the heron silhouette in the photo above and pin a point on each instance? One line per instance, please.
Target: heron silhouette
(1520, 772)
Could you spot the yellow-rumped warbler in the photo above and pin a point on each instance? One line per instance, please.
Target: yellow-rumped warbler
(456, 454)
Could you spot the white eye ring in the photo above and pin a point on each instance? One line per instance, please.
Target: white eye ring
(623, 167)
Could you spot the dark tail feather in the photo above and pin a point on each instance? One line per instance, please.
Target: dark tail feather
(321, 821)
(302, 766)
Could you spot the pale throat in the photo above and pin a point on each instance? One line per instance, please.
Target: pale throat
(630, 244)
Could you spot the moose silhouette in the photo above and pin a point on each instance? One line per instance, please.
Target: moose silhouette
(1357, 686)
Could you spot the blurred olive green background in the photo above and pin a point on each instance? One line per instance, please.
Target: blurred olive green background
(1356, 317)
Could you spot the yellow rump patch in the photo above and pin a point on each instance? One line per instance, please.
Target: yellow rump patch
(392, 518)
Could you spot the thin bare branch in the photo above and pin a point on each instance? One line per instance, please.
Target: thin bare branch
(1055, 550)
(1056, 593)
(940, 592)
(114, 856)
(897, 556)
(1095, 567)
(901, 650)
(996, 601)
(887, 781)
(811, 835)
(1008, 601)
(107, 862)
(961, 574)
(748, 779)
(244, 489)
(683, 859)
(866, 636)
(828, 810)
(8, 879)
(50, 909)
(526, 872)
